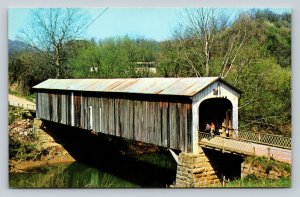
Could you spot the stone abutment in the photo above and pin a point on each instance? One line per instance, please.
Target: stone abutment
(207, 168)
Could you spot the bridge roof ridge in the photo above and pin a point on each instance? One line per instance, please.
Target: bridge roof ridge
(159, 86)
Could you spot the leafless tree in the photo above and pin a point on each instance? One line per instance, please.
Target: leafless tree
(50, 29)
(207, 32)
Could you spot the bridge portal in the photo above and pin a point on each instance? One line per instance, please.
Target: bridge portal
(218, 111)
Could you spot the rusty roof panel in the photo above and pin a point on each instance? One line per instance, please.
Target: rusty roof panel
(161, 86)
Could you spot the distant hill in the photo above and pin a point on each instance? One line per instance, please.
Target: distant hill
(16, 46)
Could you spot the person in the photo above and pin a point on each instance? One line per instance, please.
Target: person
(222, 130)
(207, 128)
(225, 129)
(212, 128)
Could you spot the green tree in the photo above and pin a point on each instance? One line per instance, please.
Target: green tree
(277, 28)
(27, 68)
(266, 99)
(114, 57)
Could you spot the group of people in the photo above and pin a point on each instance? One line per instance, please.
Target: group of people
(211, 128)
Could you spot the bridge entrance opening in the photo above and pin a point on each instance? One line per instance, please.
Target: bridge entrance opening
(217, 111)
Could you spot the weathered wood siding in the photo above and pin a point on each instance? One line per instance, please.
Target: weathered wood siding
(160, 120)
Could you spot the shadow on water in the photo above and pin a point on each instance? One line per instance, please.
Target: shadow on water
(106, 153)
(66, 175)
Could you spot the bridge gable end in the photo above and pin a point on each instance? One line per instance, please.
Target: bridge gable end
(216, 90)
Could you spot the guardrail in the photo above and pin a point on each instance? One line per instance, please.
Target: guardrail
(247, 147)
(25, 106)
(267, 139)
(259, 138)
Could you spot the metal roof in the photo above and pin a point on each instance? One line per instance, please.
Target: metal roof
(161, 86)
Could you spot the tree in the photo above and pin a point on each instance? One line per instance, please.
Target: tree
(27, 68)
(50, 29)
(172, 61)
(266, 99)
(200, 38)
(115, 57)
(278, 32)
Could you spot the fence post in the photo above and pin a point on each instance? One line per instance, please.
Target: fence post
(259, 137)
(269, 153)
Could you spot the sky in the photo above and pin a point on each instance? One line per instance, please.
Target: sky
(149, 23)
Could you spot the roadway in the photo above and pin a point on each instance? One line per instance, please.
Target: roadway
(20, 102)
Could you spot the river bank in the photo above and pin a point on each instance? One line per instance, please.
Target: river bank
(33, 143)
(29, 145)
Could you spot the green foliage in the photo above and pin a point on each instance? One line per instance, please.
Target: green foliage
(170, 63)
(277, 31)
(268, 164)
(27, 68)
(31, 97)
(67, 175)
(19, 150)
(23, 146)
(252, 181)
(266, 100)
(110, 58)
(17, 113)
(279, 44)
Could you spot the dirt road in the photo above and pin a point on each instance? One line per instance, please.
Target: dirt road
(17, 101)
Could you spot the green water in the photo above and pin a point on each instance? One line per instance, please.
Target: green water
(148, 170)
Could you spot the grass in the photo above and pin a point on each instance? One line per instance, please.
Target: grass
(20, 151)
(253, 182)
(268, 164)
(17, 113)
(30, 97)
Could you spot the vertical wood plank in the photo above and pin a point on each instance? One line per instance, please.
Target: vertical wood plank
(117, 116)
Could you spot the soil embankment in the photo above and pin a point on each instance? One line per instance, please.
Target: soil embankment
(30, 146)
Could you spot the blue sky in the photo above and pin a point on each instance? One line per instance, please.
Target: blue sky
(150, 23)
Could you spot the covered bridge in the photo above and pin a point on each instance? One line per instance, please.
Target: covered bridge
(166, 112)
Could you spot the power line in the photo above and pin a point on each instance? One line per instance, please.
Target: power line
(97, 17)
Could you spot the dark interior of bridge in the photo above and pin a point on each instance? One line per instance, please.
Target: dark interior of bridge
(216, 110)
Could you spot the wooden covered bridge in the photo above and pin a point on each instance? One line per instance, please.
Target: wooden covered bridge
(168, 112)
